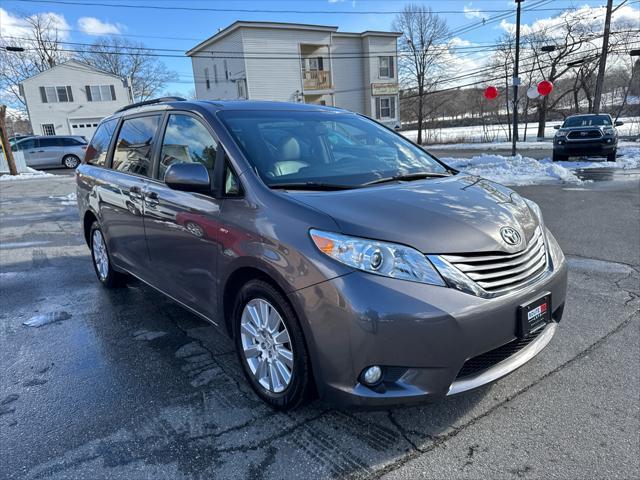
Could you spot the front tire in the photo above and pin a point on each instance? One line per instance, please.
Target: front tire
(612, 156)
(271, 346)
(101, 260)
(71, 161)
(558, 158)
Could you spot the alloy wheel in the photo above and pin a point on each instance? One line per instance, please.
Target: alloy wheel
(266, 345)
(100, 257)
(71, 162)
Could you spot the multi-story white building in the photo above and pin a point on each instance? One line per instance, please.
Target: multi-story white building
(300, 63)
(72, 98)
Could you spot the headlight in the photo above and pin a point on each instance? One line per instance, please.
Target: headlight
(561, 133)
(608, 131)
(536, 209)
(379, 258)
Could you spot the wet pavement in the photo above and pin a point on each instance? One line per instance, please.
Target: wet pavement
(125, 384)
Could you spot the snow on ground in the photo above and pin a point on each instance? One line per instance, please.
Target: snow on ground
(628, 157)
(70, 199)
(29, 174)
(516, 170)
(522, 170)
(498, 133)
(490, 146)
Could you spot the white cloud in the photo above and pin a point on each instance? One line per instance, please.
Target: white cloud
(589, 19)
(459, 42)
(471, 12)
(16, 26)
(95, 26)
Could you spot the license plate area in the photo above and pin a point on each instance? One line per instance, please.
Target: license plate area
(533, 316)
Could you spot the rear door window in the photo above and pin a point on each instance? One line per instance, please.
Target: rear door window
(186, 140)
(99, 146)
(134, 147)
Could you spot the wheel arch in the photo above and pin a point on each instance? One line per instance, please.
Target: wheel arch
(87, 220)
(245, 273)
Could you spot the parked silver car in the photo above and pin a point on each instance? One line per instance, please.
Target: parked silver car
(52, 150)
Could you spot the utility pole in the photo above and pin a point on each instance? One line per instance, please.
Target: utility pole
(516, 82)
(603, 58)
(6, 146)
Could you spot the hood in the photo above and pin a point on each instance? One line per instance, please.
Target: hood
(456, 214)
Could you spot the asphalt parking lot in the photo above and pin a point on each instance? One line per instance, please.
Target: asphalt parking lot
(125, 384)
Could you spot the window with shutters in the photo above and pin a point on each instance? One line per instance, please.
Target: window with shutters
(385, 108)
(206, 79)
(386, 67)
(226, 70)
(100, 93)
(61, 94)
(215, 73)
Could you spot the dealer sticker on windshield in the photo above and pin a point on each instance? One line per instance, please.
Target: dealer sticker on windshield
(534, 315)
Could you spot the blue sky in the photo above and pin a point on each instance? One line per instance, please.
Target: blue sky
(184, 29)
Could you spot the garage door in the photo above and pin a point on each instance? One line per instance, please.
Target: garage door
(84, 126)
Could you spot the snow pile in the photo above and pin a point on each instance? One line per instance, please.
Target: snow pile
(29, 174)
(628, 157)
(516, 170)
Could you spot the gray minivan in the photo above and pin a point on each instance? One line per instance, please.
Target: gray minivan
(52, 150)
(342, 259)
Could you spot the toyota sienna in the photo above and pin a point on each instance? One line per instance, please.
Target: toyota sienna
(343, 260)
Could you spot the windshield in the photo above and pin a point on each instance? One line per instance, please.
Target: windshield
(590, 121)
(343, 149)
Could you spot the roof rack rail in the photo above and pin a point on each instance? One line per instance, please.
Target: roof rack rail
(151, 102)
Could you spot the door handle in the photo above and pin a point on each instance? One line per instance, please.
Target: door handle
(40, 151)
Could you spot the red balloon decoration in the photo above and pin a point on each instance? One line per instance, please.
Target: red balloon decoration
(545, 87)
(490, 93)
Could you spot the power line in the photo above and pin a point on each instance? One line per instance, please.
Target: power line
(252, 10)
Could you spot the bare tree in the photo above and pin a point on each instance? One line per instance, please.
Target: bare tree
(421, 67)
(131, 60)
(41, 51)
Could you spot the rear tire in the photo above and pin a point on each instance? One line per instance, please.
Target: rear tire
(102, 261)
(271, 346)
(612, 156)
(71, 161)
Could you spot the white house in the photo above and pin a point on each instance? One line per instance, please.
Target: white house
(72, 98)
(300, 63)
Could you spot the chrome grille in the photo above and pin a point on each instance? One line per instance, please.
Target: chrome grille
(494, 272)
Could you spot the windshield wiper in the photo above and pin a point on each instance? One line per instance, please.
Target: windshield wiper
(311, 186)
(407, 177)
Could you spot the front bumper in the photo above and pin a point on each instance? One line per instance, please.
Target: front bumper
(599, 147)
(421, 334)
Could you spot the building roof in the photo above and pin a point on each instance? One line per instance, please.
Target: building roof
(284, 26)
(76, 64)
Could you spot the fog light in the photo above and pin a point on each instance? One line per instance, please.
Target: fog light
(372, 375)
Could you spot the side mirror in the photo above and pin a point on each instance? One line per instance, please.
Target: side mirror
(557, 127)
(188, 177)
(619, 123)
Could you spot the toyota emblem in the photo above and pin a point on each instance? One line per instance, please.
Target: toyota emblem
(510, 236)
